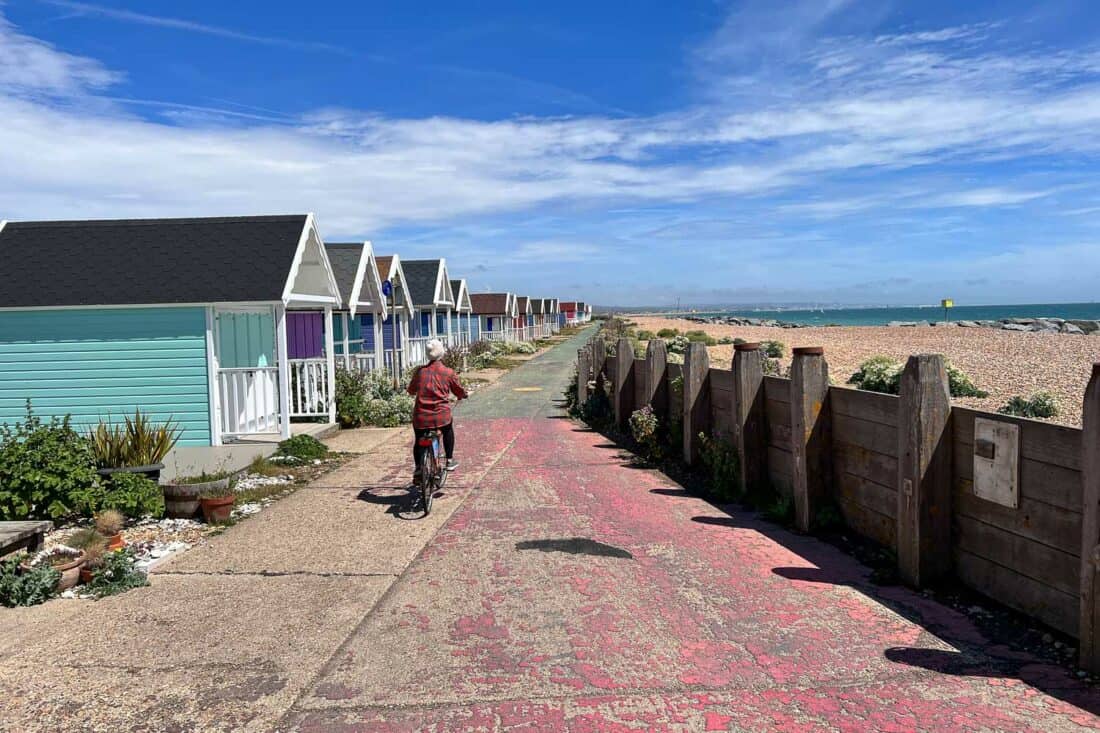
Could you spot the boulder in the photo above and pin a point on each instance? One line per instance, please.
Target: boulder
(966, 324)
(1015, 327)
(1070, 328)
(1043, 326)
(945, 324)
(1086, 326)
(1020, 321)
(989, 324)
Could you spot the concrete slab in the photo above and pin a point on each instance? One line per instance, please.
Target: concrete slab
(207, 653)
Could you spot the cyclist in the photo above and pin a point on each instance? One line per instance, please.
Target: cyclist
(433, 384)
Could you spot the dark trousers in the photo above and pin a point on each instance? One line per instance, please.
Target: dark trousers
(448, 433)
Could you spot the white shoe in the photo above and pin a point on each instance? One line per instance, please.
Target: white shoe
(452, 464)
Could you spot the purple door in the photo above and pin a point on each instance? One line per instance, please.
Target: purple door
(305, 335)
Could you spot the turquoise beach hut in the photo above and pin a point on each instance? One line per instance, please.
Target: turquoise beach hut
(185, 319)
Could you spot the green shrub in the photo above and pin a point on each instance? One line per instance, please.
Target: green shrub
(723, 466)
(701, 337)
(132, 494)
(878, 374)
(644, 427)
(30, 588)
(570, 392)
(303, 447)
(371, 399)
(667, 333)
(738, 341)
(452, 358)
(725, 341)
(137, 442)
(883, 374)
(115, 574)
(596, 410)
(644, 335)
(770, 367)
(1040, 405)
(42, 464)
(774, 349)
(960, 385)
(677, 345)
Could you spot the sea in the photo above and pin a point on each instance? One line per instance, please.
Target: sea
(881, 316)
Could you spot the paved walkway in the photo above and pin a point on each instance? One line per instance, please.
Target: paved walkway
(554, 587)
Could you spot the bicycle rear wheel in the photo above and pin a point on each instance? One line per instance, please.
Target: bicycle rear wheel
(428, 480)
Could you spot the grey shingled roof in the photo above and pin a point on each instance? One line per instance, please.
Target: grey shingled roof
(147, 261)
(420, 279)
(490, 304)
(456, 286)
(344, 258)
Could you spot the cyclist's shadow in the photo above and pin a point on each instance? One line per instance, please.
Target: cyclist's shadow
(401, 502)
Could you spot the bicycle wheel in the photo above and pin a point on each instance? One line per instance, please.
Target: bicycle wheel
(428, 480)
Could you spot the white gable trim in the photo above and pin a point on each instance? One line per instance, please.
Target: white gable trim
(398, 270)
(462, 298)
(309, 234)
(443, 293)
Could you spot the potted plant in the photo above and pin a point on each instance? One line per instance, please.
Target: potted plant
(182, 495)
(217, 504)
(138, 446)
(62, 558)
(109, 524)
(94, 546)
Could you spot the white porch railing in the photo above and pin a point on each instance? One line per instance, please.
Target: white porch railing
(494, 335)
(248, 400)
(416, 351)
(364, 361)
(309, 387)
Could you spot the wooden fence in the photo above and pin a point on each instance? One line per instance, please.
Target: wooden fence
(1009, 506)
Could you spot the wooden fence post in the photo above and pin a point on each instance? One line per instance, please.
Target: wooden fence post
(1090, 527)
(623, 392)
(696, 371)
(599, 360)
(584, 359)
(809, 432)
(654, 382)
(924, 471)
(750, 428)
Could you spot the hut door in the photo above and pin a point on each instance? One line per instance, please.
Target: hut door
(248, 376)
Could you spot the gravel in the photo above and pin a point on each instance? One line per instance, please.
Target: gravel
(1004, 363)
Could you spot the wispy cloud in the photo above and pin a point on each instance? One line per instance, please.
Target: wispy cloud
(190, 26)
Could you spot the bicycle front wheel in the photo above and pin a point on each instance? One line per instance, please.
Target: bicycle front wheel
(427, 481)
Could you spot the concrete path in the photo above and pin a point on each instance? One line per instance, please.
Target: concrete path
(554, 587)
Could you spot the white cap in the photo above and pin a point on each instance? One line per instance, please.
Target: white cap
(435, 350)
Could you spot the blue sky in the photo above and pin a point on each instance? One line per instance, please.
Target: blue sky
(830, 151)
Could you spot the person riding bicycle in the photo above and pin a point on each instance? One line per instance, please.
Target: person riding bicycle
(433, 384)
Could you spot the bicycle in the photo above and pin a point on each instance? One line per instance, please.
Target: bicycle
(433, 469)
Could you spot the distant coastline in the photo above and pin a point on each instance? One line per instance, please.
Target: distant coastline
(881, 316)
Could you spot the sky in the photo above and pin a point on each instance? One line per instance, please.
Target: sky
(756, 152)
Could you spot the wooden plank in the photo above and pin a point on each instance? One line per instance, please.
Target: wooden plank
(696, 411)
(1036, 521)
(869, 523)
(811, 441)
(872, 406)
(1088, 606)
(778, 389)
(1045, 603)
(1046, 482)
(865, 434)
(779, 462)
(873, 466)
(866, 493)
(750, 420)
(1041, 563)
(721, 379)
(924, 471)
(779, 436)
(1039, 441)
(654, 377)
(778, 413)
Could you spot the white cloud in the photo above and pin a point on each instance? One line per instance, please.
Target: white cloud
(883, 104)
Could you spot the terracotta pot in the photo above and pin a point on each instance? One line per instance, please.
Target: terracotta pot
(70, 572)
(181, 501)
(86, 575)
(115, 542)
(216, 510)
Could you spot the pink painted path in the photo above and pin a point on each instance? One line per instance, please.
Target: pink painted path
(570, 591)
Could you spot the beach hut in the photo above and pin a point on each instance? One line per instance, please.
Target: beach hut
(186, 319)
(495, 314)
(358, 321)
(430, 289)
(397, 321)
(581, 310)
(462, 322)
(551, 314)
(568, 310)
(522, 321)
(536, 318)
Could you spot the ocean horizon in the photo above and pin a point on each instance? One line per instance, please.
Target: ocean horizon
(880, 316)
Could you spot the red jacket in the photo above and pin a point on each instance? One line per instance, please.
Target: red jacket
(432, 385)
